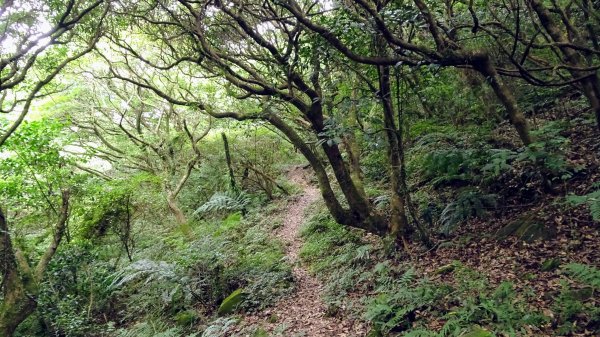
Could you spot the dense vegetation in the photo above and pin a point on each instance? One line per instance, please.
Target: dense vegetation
(146, 148)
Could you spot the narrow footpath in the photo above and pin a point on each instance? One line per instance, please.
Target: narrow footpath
(303, 312)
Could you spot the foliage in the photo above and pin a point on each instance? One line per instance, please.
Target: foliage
(578, 301)
(592, 200)
(397, 300)
(405, 109)
(225, 201)
(33, 164)
(585, 274)
(76, 291)
(205, 271)
(157, 329)
(445, 159)
(469, 203)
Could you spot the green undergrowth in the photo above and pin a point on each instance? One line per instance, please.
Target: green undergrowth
(373, 282)
(173, 287)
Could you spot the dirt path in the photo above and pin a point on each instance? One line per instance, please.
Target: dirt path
(302, 313)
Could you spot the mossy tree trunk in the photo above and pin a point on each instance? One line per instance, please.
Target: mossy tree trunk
(228, 160)
(17, 297)
(483, 64)
(174, 208)
(398, 223)
(20, 283)
(352, 147)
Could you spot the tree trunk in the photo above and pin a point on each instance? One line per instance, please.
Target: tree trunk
(18, 300)
(398, 223)
(359, 206)
(370, 223)
(483, 64)
(333, 205)
(353, 149)
(174, 207)
(477, 85)
(17, 304)
(410, 207)
(590, 84)
(228, 159)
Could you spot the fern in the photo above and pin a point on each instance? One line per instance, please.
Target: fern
(150, 328)
(470, 203)
(499, 162)
(225, 201)
(381, 201)
(397, 303)
(586, 274)
(151, 270)
(420, 333)
(408, 277)
(592, 200)
(219, 327)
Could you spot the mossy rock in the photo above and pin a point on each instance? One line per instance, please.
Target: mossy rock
(443, 270)
(478, 332)
(527, 230)
(231, 303)
(186, 318)
(550, 264)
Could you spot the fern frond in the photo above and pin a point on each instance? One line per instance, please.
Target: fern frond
(586, 274)
(468, 204)
(592, 200)
(151, 270)
(408, 277)
(225, 201)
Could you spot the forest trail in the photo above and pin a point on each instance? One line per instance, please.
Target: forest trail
(303, 312)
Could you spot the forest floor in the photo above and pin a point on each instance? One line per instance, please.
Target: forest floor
(303, 312)
(474, 254)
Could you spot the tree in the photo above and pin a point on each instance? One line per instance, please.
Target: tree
(36, 188)
(435, 45)
(276, 70)
(38, 40)
(133, 129)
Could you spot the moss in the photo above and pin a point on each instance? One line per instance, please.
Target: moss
(231, 303)
(186, 318)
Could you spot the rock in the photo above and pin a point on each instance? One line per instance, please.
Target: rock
(508, 230)
(575, 244)
(446, 244)
(535, 232)
(231, 303)
(550, 264)
(527, 230)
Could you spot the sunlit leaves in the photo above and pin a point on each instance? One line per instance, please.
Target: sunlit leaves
(32, 167)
